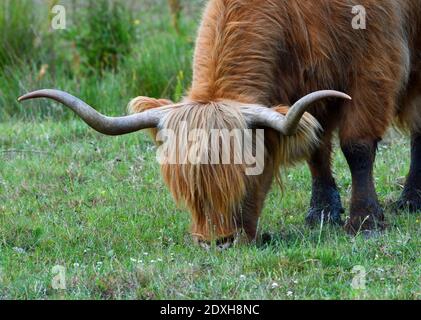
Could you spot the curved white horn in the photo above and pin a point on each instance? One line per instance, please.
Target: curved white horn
(112, 126)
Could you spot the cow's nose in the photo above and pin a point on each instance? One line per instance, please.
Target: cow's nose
(221, 244)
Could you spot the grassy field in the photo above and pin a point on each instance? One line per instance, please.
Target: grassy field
(97, 206)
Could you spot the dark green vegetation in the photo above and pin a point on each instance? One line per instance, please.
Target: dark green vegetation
(106, 55)
(97, 205)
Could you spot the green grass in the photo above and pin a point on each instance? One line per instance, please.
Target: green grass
(97, 206)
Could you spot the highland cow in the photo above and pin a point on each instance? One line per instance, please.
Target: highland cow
(253, 59)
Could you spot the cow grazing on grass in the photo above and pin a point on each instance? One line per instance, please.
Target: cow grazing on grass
(253, 59)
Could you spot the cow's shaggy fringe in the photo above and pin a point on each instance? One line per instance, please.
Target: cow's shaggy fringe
(214, 192)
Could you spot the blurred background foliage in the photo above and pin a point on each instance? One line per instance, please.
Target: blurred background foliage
(106, 38)
(109, 52)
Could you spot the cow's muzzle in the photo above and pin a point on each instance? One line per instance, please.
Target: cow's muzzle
(220, 245)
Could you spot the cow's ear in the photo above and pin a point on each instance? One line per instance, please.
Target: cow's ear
(141, 104)
(300, 146)
(281, 109)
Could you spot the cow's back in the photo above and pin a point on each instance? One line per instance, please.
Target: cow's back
(275, 51)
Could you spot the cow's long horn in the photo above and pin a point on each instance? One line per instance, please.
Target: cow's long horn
(296, 112)
(287, 125)
(112, 126)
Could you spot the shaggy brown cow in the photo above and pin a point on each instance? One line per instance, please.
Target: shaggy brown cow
(253, 53)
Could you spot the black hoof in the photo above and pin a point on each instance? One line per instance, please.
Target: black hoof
(413, 205)
(366, 222)
(328, 215)
(325, 205)
(265, 239)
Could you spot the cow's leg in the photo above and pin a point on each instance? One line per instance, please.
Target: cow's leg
(411, 196)
(251, 210)
(365, 212)
(325, 200)
(249, 220)
(363, 122)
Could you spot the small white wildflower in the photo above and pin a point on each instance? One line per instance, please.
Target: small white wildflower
(19, 250)
(76, 265)
(290, 293)
(275, 285)
(243, 277)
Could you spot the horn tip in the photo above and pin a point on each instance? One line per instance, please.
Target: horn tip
(29, 96)
(25, 97)
(22, 98)
(342, 95)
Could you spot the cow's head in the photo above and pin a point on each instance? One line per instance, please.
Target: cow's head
(204, 153)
